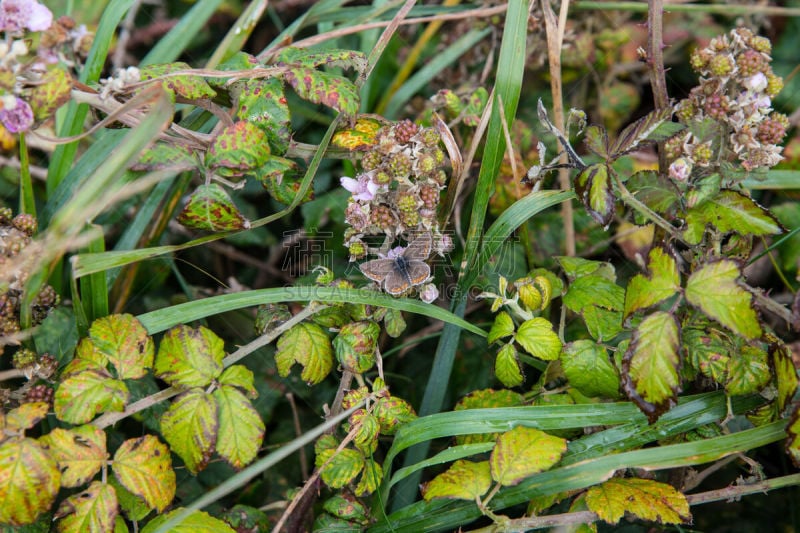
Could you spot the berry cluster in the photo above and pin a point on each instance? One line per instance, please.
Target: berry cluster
(397, 194)
(735, 91)
(15, 234)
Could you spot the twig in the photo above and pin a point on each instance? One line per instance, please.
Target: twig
(655, 64)
(125, 34)
(39, 173)
(298, 431)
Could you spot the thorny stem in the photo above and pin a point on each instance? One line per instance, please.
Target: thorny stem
(110, 419)
(655, 64)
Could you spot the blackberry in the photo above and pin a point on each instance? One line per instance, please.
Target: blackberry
(382, 178)
(409, 218)
(25, 223)
(702, 153)
(8, 325)
(404, 131)
(774, 84)
(47, 297)
(47, 366)
(406, 203)
(371, 160)
(39, 393)
(383, 217)
(23, 358)
(699, 59)
(674, 147)
(761, 44)
(5, 215)
(751, 63)
(429, 196)
(772, 130)
(426, 164)
(13, 242)
(430, 137)
(357, 250)
(716, 106)
(400, 165)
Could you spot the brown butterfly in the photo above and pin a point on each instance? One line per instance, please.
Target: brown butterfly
(404, 271)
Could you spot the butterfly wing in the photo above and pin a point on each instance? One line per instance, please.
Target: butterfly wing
(419, 249)
(396, 282)
(377, 269)
(418, 272)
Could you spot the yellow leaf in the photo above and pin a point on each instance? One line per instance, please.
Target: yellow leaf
(522, 452)
(29, 481)
(144, 467)
(93, 510)
(80, 453)
(465, 480)
(643, 498)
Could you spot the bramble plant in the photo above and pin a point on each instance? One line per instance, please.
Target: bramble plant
(587, 362)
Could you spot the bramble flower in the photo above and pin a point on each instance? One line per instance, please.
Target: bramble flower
(16, 115)
(756, 82)
(428, 293)
(362, 188)
(680, 169)
(19, 15)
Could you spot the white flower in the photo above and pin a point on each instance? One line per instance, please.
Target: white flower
(362, 188)
(18, 15)
(756, 82)
(428, 293)
(680, 169)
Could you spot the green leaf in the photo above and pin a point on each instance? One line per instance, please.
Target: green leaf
(394, 323)
(589, 369)
(143, 466)
(502, 327)
(464, 480)
(793, 437)
(163, 156)
(210, 208)
(536, 336)
(244, 518)
(346, 506)
(187, 86)
(371, 477)
(279, 177)
(29, 481)
(323, 88)
(292, 55)
(785, 374)
(603, 325)
(262, 102)
(594, 290)
(94, 509)
(578, 267)
(355, 345)
(593, 187)
(124, 341)
(238, 149)
(507, 367)
(486, 398)
(83, 395)
(650, 366)
(522, 452)
(713, 289)
(662, 282)
(343, 467)
(748, 371)
(239, 376)
(643, 498)
(654, 190)
(596, 139)
(195, 522)
(241, 429)
(392, 412)
(308, 345)
(730, 211)
(189, 357)
(80, 453)
(646, 129)
(190, 427)
(133, 506)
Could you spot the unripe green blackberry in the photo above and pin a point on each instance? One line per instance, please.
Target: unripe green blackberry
(750, 63)
(429, 196)
(26, 223)
(9, 325)
(440, 177)
(7, 305)
(400, 165)
(371, 160)
(5, 215)
(404, 131)
(438, 156)
(685, 111)
(357, 250)
(406, 202)
(774, 84)
(430, 137)
(39, 393)
(702, 153)
(761, 44)
(409, 218)
(721, 65)
(382, 177)
(699, 59)
(426, 164)
(383, 217)
(24, 357)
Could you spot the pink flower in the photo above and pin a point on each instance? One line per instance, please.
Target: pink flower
(756, 82)
(362, 188)
(680, 169)
(18, 15)
(428, 293)
(17, 117)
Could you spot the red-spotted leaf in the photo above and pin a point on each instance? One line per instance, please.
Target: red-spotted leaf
(589, 369)
(748, 371)
(343, 467)
(323, 88)
(280, 177)
(793, 437)
(361, 136)
(344, 505)
(507, 368)
(210, 208)
(785, 374)
(238, 149)
(308, 345)
(185, 85)
(241, 429)
(713, 289)
(662, 282)
(29, 481)
(650, 366)
(392, 412)
(25, 416)
(123, 340)
(643, 498)
(331, 58)
(87, 356)
(163, 156)
(464, 480)
(262, 102)
(144, 467)
(190, 427)
(83, 395)
(522, 452)
(189, 357)
(730, 211)
(194, 522)
(593, 187)
(536, 336)
(239, 376)
(93, 510)
(646, 129)
(708, 352)
(80, 453)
